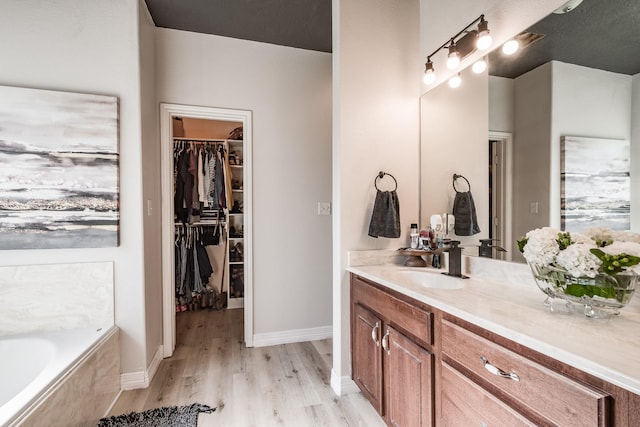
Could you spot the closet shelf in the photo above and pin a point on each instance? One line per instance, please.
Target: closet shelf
(177, 138)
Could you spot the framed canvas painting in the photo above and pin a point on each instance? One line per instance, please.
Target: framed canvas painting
(58, 169)
(595, 183)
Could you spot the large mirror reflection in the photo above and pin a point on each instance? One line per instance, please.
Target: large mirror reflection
(576, 74)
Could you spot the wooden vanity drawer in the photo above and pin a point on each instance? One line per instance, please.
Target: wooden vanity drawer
(403, 315)
(465, 403)
(539, 390)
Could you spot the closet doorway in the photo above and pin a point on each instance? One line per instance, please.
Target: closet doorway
(209, 131)
(500, 192)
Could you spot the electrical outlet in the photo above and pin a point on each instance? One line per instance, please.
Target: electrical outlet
(324, 208)
(533, 207)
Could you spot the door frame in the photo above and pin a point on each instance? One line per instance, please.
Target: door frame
(167, 112)
(505, 147)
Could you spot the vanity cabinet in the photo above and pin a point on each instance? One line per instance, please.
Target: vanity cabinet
(391, 358)
(421, 366)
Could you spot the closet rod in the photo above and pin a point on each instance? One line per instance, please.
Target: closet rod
(199, 140)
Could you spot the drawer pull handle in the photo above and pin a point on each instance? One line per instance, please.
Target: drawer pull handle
(385, 342)
(374, 334)
(497, 371)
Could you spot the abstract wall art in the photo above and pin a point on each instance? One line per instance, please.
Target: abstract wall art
(595, 183)
(58, 169)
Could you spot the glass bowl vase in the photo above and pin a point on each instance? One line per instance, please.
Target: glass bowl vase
(601, 296)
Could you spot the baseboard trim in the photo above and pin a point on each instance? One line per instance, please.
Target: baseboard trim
(342, 385)
(292, 336)
(142, 379)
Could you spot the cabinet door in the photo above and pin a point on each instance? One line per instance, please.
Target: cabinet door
(409, 379)
(366, 354)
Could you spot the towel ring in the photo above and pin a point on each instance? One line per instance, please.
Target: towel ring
(380, 176)
(455, 177)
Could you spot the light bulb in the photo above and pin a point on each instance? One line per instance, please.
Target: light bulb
(455, 81)
(510, 47)
(429, 72)
(454, 57)
(479, 66)
(484, 41)
(484, 38)
(429, 77)
(453, 61)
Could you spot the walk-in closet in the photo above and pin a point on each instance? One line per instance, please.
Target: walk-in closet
(208, 202)
(206, 169)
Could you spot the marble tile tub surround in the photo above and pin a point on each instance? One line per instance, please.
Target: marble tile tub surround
(56, 297)
(482, 268)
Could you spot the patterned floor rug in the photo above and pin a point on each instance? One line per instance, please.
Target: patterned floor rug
(171, 416)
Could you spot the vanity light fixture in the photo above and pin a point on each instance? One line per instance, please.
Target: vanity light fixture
(479, 66)
(455, 81)
(460, 46)
(429, 72)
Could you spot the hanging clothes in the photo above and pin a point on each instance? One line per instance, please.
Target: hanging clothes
(193, 268)
(202, 180)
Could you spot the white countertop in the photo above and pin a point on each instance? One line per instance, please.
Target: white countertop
(606, 348)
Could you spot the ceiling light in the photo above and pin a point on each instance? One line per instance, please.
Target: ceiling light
(484, 38)
(479, 66)
(453, 61)
(510, 47)
(429, 72)
(455, 81)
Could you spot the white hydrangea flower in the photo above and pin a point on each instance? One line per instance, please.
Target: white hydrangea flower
(616, 248)
(599, 234)
(541, 247)
(578, 260)
(582, 238)
(625, 236)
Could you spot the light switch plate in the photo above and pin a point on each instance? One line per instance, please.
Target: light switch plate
(324, 208)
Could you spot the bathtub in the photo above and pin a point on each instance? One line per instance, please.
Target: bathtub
(33, 366)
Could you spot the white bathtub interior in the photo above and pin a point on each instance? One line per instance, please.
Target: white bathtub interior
(23, 360)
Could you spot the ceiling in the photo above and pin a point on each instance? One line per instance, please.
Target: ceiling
(304, 24)
(602, 34)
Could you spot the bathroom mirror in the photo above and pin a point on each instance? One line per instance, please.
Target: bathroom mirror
(515, 110)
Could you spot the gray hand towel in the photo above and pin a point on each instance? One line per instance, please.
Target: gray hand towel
(385, 218)
(464, 210)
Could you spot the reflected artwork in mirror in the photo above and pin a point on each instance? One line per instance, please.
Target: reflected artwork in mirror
(578, 74)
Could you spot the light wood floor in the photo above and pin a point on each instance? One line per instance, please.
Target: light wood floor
(283, 385)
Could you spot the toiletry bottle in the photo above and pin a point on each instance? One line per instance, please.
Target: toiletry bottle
(414, 236)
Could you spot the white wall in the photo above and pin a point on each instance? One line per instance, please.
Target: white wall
(501, 104)
(289, 92)
(377, 69)
(531, 150)
(89, 47)
(553, 100)
(454, 139)
(635, 152)
(150, 185)
(586, 102)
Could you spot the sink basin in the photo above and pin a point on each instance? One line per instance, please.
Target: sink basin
(425, 278)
